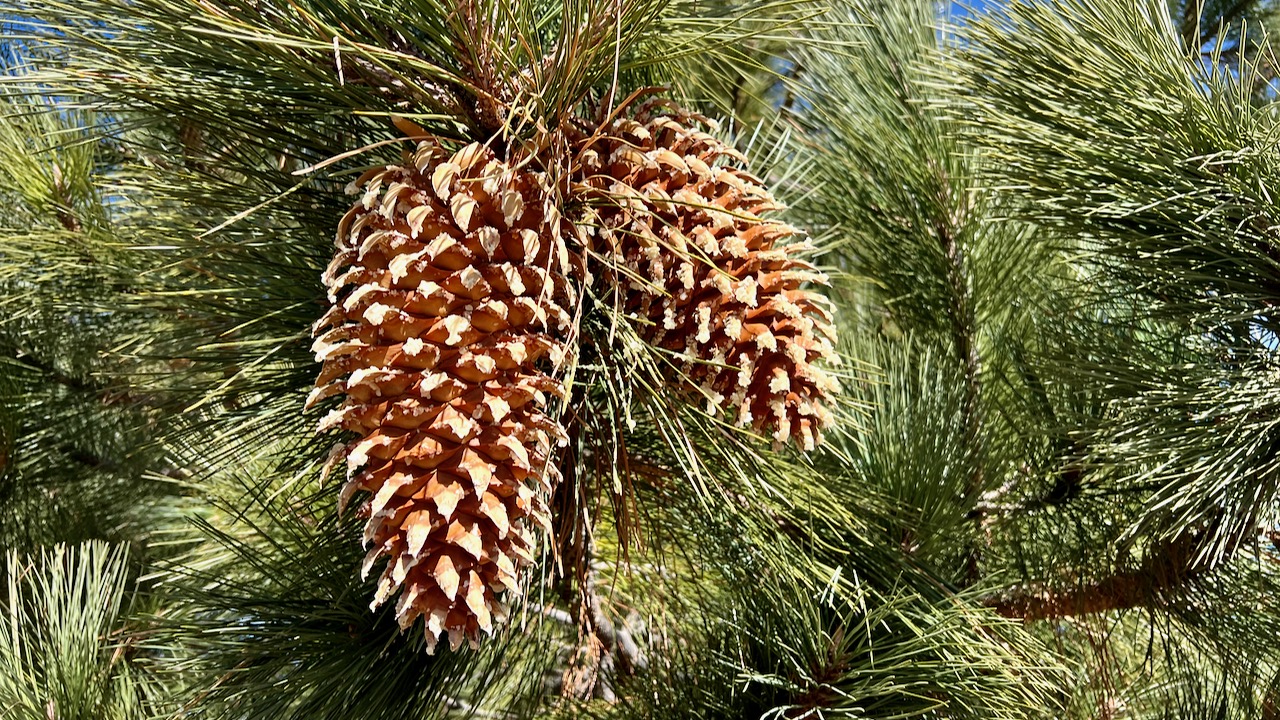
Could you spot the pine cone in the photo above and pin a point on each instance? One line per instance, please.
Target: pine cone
(448, 323)
(673, 204)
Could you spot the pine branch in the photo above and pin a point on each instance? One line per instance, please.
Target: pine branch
(963, 329)
(604, 650)
(1166, 571)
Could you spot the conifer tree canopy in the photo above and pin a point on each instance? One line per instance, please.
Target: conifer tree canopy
(406, 359)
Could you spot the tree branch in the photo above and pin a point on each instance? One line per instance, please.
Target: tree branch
(963, 322)
(1165, 571)
(605, 649)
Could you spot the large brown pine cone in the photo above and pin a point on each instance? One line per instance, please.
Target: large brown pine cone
(708, 277)
(450, 314)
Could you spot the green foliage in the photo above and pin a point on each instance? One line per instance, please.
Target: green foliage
(63, 652)
(274, 597)
(74, 442)
(787, 635)
(1051, 481)
(1160, 170)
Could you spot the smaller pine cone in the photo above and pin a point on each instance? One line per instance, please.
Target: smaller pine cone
(708, 279)
(448, 324)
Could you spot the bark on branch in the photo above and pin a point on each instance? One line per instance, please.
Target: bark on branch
(1164, 572)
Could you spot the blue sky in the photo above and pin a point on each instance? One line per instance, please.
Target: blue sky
(959, 9)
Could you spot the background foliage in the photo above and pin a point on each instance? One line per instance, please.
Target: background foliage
(1051, 486)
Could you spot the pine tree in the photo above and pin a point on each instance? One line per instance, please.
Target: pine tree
(638, 360)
